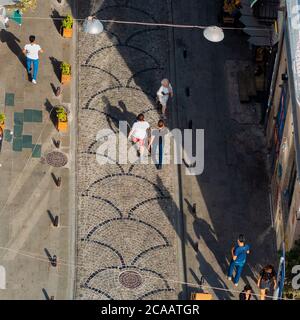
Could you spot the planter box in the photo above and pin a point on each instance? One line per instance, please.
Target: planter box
(62, 126)
(67, 33)
(65, 78)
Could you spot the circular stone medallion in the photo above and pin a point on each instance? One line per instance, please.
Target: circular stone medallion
(56, 159)
(130, 279)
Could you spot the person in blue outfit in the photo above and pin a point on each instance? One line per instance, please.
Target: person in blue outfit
(239, 256)
(32, 51)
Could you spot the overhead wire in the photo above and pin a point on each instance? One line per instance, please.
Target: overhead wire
(39, 258)
(156, 24)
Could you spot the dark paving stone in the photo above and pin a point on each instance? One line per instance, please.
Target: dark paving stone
(9, 99)
(27, 141)
(18, 117)
(28, 115)
(7, 135)
(36, 151)
(18, 129)
(37, 116)
(31, 115)
(17, 144)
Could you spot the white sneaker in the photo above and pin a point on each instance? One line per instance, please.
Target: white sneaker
(33, 81)
(229, 278)
(236, 284)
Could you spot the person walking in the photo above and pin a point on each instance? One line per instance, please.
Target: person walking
(246, 294)
(267, 277)
(32, 51)
(156, 144)
(139, 133)
(163, 94)
(239, 256)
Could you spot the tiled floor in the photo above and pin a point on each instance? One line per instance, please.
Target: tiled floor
(18, 139)
(9, 99)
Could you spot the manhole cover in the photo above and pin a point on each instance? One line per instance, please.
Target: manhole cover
(130, 279)
(56, 159)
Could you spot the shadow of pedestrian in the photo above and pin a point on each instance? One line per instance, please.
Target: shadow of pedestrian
(213, 280)
(117, 113)
(56, 67)
(12, 43)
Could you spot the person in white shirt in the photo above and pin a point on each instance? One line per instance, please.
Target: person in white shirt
(32, 51)
(139, 132)
(163, 94)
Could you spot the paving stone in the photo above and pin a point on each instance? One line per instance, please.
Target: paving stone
(7, 135)
(37, 116)
(125, 212)
(9, 99)
(19, 118)
(36, 151)
(17, 144)
(18, 129)
(27, 141)
(28, 115)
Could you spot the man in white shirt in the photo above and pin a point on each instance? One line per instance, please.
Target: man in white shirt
(31, 51)
(139, 132)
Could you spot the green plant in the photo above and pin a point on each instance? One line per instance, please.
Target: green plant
(65, 68)
(61, 114)
(67, 22)
(292, 258)
(23, 5)
(2, 117)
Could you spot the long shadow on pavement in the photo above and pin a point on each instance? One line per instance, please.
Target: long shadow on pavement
(12, 43)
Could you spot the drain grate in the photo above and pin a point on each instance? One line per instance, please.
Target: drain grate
(56, 159)
(130, 279)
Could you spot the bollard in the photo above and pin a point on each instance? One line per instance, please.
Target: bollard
(187, 91)
(184, 53)
(56, 143)
(194, 208)
(57, 181)
(55, 222)
(54, 261)
(58, 92)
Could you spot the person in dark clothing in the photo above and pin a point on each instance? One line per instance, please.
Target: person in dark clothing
(246, 294)
(156, 144)
(267, 277)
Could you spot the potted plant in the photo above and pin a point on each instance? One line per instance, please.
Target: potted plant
(67, 26)
(2, 120)
(23, 5)
(65, 72)
(62, 119)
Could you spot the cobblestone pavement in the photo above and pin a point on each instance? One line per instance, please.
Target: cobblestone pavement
(127, 240)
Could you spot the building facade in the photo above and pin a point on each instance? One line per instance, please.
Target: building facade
(282, 123)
